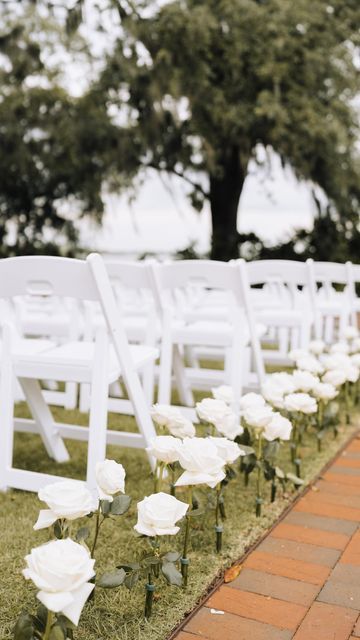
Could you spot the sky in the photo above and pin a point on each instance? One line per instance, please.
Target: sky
(162, 220)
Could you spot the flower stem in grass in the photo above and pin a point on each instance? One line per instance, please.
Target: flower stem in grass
(49, 622)
(347, 402)
(218, 527)
(150, 588)
(172, 485)
(159, 473)
(185, 560)
(258, 501)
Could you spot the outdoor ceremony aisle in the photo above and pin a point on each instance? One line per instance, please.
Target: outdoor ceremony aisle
(303, 580)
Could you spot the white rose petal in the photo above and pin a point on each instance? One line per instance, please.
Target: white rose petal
(317, 347)
(278, 427)
(273, 394)
(227, 450)
(309, 363)
(340, 347)
(350, 333)
(336, 377)
(355, 360)
(61, 570)
(224, 393)
(304, 380)
(170, 417)
(110, 479)
(211, 410)
(158, 515)
(284, 381)
(301, 402)
(69, 499)
(165, 449)
(258, 417)
(324, 391)
(229, 426)
(251, 400)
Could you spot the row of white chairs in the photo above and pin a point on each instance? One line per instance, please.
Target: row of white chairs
(93, 324)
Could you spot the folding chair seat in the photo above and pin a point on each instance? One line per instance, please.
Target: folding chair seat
(353, 274)
(98, 363)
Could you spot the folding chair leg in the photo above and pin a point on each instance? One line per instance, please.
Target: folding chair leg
(185, 392)
(7, 410)
(70, 395)
(98, 408)
(41, 413)
(84, 399)
(165, 372)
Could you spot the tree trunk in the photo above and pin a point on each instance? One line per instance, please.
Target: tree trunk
(225, 191)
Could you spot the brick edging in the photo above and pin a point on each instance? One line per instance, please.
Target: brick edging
(219, 581)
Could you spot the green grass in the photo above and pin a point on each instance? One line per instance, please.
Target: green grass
(118, 614)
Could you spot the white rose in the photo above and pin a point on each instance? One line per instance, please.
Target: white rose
(340, 347)
(69, 499)
(350, 333)
(337, 361)
(211, 410)
(317, 347)
(273, 394)
(324, 391)
(251, 400)
(283, 380)
(165, 449)
(201, 461)
(310, 363)
(227, 450)
(158, 515)
(304, 380)
(170, 417)
(110, 479)
(356, 344)
(61, 570)
(336, 377)
(229, 426)
(301, 402)
(352, 373)
(224, 393)
(258, 417)
(295, 354)
(278, 427)
(355, 360)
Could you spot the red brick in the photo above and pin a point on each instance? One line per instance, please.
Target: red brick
(257, 607)
(232, 627)
(337, 488)
(276, 586)
(351, 554)
(354, 446)
(311, 536)
(326, 622)
(356, 629)
(295, 569)
(310, 504)
(352, 480)
(347, 462)
(183, 635)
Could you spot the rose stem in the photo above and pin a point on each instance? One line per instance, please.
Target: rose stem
(218, 527)
(258, 479)
(49, 621)
(184, 560)
(347, 402)
(97, 529)
(150, 588)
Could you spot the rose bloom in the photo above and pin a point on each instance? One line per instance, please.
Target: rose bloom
(356, 344)
(336, 377)
(229, 426)
(251, 400)
(304, 380)
(61, 569)
(224, 393)
(350, 333)
(310, 363)
(165, 449)
(278, 427)
(336, 361)
(324, 391)
(301, 402)
(355, 360)
(67, 499)
(295, 354)
(170, 417)
(258, 417)
(273, 394)
(227, 450)
(283, 380)
(352, 373)
(211, 410)
(110, 479)
(158, 514)
(317, 347)
(340, 347)
(201, 463)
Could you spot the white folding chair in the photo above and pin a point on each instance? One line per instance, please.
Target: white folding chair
(281, 300)
(353, 276)
(201, 305)
(132, 284)
(331, 298)
(99, 363)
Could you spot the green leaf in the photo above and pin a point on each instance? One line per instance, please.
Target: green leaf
(57, 633)
(195, 513)
(112, 579)
(58, 532)
(172, 556)
(120, 505)
(64, 622)
(271, 450)
(82, 534)
(105, 507)
(171, 573)
(151, 560)
(24, 627)
(279, 473)
(131, 580)
(294, 479)
(248, 450)
(40, 618)
(129, 566)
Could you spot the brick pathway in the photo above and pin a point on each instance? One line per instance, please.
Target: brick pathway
(303, 580)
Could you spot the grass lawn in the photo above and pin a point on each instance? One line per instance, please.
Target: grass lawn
(118, 614)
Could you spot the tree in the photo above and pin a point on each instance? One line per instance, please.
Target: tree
(55, 148)
(210, 81)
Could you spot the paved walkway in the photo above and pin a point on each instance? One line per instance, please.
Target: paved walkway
(303, 580)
